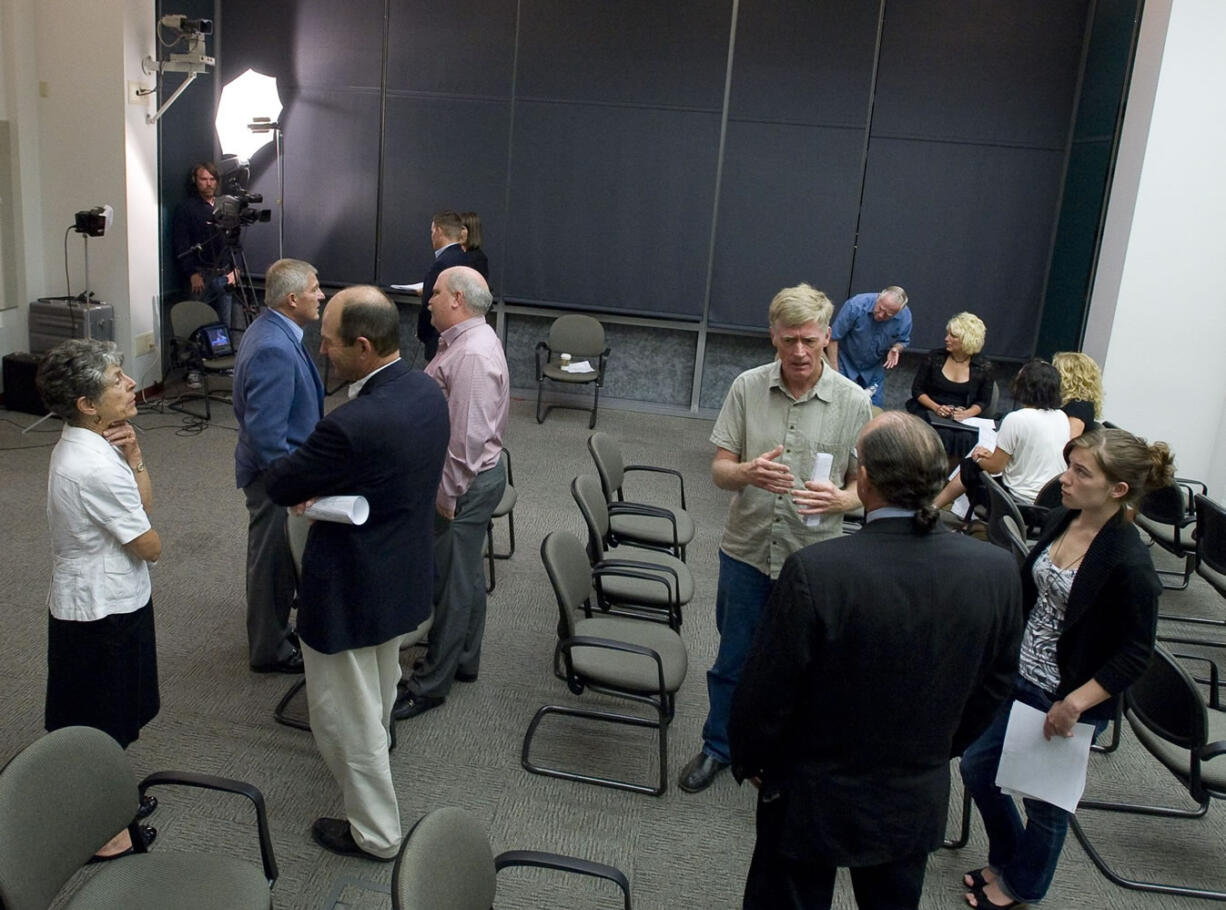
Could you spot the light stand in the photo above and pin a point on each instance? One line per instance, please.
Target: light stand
(268, 125)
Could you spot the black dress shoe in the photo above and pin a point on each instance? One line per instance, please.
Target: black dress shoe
(147, 805)
(333, 834)
(291, 664)
(410, 705)
(148, 834)
(461, 676)
(699, 772)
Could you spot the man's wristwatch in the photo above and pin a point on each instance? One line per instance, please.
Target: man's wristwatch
(140, 467)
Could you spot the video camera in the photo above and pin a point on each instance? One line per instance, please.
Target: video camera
(232, 210)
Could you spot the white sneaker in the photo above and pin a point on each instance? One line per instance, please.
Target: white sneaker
(193, 379)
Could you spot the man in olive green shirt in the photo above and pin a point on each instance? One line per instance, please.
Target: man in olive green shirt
(776, 420)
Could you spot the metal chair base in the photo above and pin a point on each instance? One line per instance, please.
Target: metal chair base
(610, 717)
(278, 713)
(491, 554)
(542, 414)
(964, 835)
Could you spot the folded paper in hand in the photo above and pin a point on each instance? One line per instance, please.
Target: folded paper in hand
(348, 510)
(1052, 770)
(579, 366)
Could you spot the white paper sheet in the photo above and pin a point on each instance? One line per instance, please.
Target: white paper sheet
(408, 288)
(822, 464)
(1053, 770)
(579, 366)
(986, 428)
(349, 510)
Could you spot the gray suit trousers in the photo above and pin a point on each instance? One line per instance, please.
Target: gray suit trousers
(271, 578)
(459, 595)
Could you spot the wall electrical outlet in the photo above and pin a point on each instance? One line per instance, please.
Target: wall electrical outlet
(144, 343)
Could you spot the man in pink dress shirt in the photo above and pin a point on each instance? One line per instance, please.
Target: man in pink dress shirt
(471, 369)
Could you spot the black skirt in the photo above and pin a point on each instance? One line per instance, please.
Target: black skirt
(103, 673)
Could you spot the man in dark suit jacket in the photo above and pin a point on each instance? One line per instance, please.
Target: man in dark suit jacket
(880, 656)
(278, 399)
(364, 587)
(446, 230)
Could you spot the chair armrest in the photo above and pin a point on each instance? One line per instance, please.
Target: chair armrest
(225, 785)
(588, 641)
(638, 508)
(644, 572)
(1213, 671)
(540, 860)
(658, 470)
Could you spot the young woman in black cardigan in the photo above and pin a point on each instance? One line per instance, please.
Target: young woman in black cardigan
(1091, 600)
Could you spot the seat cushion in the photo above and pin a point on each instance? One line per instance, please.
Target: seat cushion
(507, 503)
(1164, 535)
(185, 881)
(631, 671)
(1212, 772)
(652, 529)
(553, 370)
(642, 591)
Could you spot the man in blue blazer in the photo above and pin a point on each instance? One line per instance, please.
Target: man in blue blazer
(446, 229)
(364, 587)
(278, 399)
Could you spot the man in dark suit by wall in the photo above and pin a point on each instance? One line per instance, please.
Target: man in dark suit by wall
(880, 656)
(364, 587)
(446, 231)
(278, 399)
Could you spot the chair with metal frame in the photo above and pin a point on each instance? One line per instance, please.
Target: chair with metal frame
(640, 661)
(1172, 721)
(580, 338)
(669, 527)
(65, 795)
(1168, 516)
(445, 863)
(504, 509)
(186, 317)
(659, 585)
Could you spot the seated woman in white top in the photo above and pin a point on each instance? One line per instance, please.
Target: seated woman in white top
(1030, 445)
(101, 652)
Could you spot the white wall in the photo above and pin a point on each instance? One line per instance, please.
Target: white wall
(77, 144)
(1158, 312)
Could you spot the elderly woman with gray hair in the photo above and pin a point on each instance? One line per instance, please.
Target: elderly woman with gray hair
(101, 653)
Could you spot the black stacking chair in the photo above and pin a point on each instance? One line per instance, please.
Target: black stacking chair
(582, 337)
(1168, 516)
(1172, 721)
(666, 527)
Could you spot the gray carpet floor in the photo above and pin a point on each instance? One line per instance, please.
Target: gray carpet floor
(680, 851)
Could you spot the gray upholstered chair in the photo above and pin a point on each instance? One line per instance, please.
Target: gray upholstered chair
(446, 863)
(504, 509)
(65, 795)
(1169, 716)
(581, 337)
(641, 661)
(185, 317)
(639, 582)
(668, 527)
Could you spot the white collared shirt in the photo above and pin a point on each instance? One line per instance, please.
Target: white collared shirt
(355, 387)
(93, 509)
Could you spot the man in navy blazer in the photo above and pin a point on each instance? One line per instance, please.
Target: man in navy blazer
(364, 587)
(880, 656)
(278, 399)
(446, 230)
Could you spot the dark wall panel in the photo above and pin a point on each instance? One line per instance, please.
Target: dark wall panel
(787, 214)
(611, 207)
(440, 153)
(1003, 71)
(804, 61)
(461, 47)
(639, 52)
(961, 227)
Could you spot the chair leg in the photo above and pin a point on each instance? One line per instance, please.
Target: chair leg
(278, 713)
(489, 555)
(540, 390)
(1134, 884)
(964, 834)
(591, 424)
(612, 717)
(1116, 723)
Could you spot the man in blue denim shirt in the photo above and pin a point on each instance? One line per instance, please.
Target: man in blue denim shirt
(867, 336)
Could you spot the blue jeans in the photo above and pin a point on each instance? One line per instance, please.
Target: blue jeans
(1023, 856)
(739, 599)
(217, 295)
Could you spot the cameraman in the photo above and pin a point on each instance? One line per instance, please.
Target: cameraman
(200, 245)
